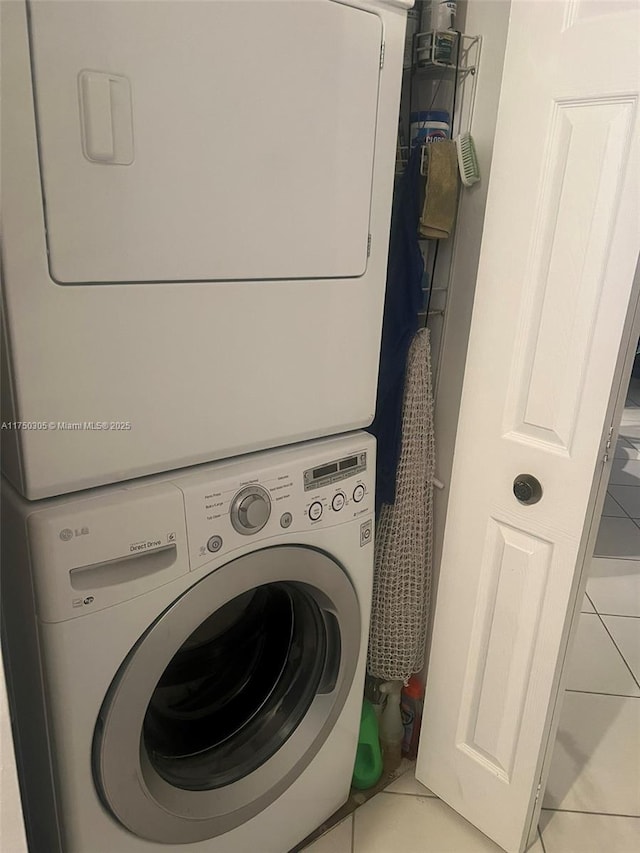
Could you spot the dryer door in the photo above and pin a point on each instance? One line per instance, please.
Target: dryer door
(213, 141)
(228, 696)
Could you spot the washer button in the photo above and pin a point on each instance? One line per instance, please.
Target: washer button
(214, 544)
(285, 519)
(358, 493)
(338, 502)
(315, 510)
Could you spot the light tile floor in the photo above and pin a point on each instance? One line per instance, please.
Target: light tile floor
(592, 801)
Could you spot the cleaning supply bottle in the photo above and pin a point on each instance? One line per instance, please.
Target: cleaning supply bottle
(391, 728)
(368, 766)
(443, 14)
(443, 21)
(411, 709)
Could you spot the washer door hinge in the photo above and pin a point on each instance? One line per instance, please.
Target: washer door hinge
(382, 55)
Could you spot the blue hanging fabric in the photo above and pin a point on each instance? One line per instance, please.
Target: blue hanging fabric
(403, 302)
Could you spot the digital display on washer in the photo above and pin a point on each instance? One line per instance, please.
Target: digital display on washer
(351, 462)
(326, 469)
(335, 471)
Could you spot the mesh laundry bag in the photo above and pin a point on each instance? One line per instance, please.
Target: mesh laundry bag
(404, 534)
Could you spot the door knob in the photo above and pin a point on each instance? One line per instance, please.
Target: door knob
(527, 489)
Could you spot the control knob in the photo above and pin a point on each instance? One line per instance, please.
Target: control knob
(250, 510)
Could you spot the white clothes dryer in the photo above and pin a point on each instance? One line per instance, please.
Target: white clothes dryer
(186, 653)
(196, 207)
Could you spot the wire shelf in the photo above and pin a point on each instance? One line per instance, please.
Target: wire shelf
(466, 62)
(437, 50)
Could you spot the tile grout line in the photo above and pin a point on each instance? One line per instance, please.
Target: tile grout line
(600, 814)
(544, 849)
(636, 524)
(619, 652)
(624, 439)
(615, 615)
(616, 556)
(407, 794)
(617, 503)
(600, 693)
(629, 439)
(624, 486)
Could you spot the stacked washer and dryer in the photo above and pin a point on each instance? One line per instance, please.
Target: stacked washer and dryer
(197, 199)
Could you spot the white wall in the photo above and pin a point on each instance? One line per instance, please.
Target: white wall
(12, 837)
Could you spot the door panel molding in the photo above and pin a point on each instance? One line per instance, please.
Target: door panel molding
(586, 158)
(503, 644)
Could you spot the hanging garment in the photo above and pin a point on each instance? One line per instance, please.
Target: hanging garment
(403, 300)
(404, 535)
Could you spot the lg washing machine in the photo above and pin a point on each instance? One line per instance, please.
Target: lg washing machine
(185, 653)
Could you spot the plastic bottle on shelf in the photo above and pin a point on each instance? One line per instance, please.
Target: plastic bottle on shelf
(443, 14)
(391, 727)
(411, 709)
(443, 18)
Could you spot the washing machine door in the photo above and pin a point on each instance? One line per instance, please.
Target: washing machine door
(228, 696)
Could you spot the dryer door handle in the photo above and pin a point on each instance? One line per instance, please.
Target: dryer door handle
(106, 118)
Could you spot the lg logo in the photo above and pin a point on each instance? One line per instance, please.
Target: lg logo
(67, 533)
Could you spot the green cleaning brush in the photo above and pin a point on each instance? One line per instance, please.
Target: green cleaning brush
(467, 159)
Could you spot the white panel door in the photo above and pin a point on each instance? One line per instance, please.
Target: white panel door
(555, 281)
(207, 140)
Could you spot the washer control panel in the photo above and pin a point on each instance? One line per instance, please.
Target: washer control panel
(225, 513)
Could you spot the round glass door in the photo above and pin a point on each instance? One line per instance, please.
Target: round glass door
(228, 695)
(237, 688)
